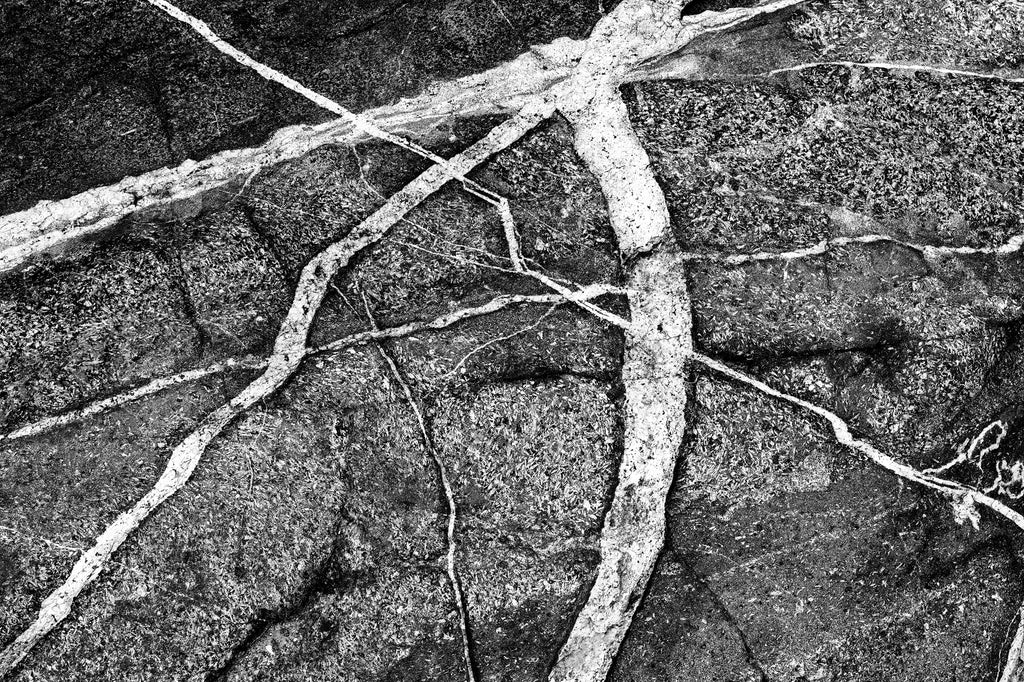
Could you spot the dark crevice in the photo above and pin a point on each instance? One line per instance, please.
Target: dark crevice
(170, 255)
(888, 340)
(868, 348)
(23, 108)
(156, 99)
(698, 6)
(257, 229)
(221, 673)
(887, 336)
(540, 374)
(325, 577)
(752, 660)
(328, 576)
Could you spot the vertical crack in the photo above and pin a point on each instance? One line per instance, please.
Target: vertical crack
(659, 337)
(172, 259)
(449, 494)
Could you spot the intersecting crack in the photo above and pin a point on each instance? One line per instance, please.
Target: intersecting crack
(289, 351)
(193, 186)
(659, 338)
(581, 80)
(255, 363)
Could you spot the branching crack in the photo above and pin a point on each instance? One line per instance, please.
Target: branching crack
(581, 80)
(289, 351)
(449, 495)
(965, 499)
(253, 363)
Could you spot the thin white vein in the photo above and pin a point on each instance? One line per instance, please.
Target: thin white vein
(494, 305)
(519, 265)
(358, 338)
(120, 400)
(964, 498)
(498, 339)
(958, 491)
(357, 121)
(895, 66)
(289, 351)
(971, 450)
(449, 495)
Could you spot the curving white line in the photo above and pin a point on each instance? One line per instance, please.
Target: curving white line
(659, 338)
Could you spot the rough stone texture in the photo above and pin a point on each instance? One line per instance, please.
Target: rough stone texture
(310, 544)
(985, 35)
(331, 480)
(818, 559)
(127, 84)
(683, 633)
(55, 498)
(533, 464)
(72, 331)
(786, 158)
(234, 286)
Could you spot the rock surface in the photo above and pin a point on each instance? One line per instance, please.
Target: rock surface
(310, 543)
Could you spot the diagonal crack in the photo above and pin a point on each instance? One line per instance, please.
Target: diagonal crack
(752, 659)
(289, 351)
(965, 499)
(251, 362)
(659, 340)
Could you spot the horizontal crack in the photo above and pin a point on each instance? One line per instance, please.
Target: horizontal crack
(1011, 246)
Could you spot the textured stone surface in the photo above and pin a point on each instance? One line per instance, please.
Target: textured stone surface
(310, 543)
(110, 89)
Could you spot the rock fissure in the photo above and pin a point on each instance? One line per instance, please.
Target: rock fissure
(964, 499)
(289, 351)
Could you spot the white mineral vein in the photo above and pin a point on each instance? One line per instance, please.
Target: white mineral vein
(289, 350)
(965, 499)
(659, 338)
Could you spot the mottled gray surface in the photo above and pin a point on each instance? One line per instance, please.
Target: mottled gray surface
(309, 544)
